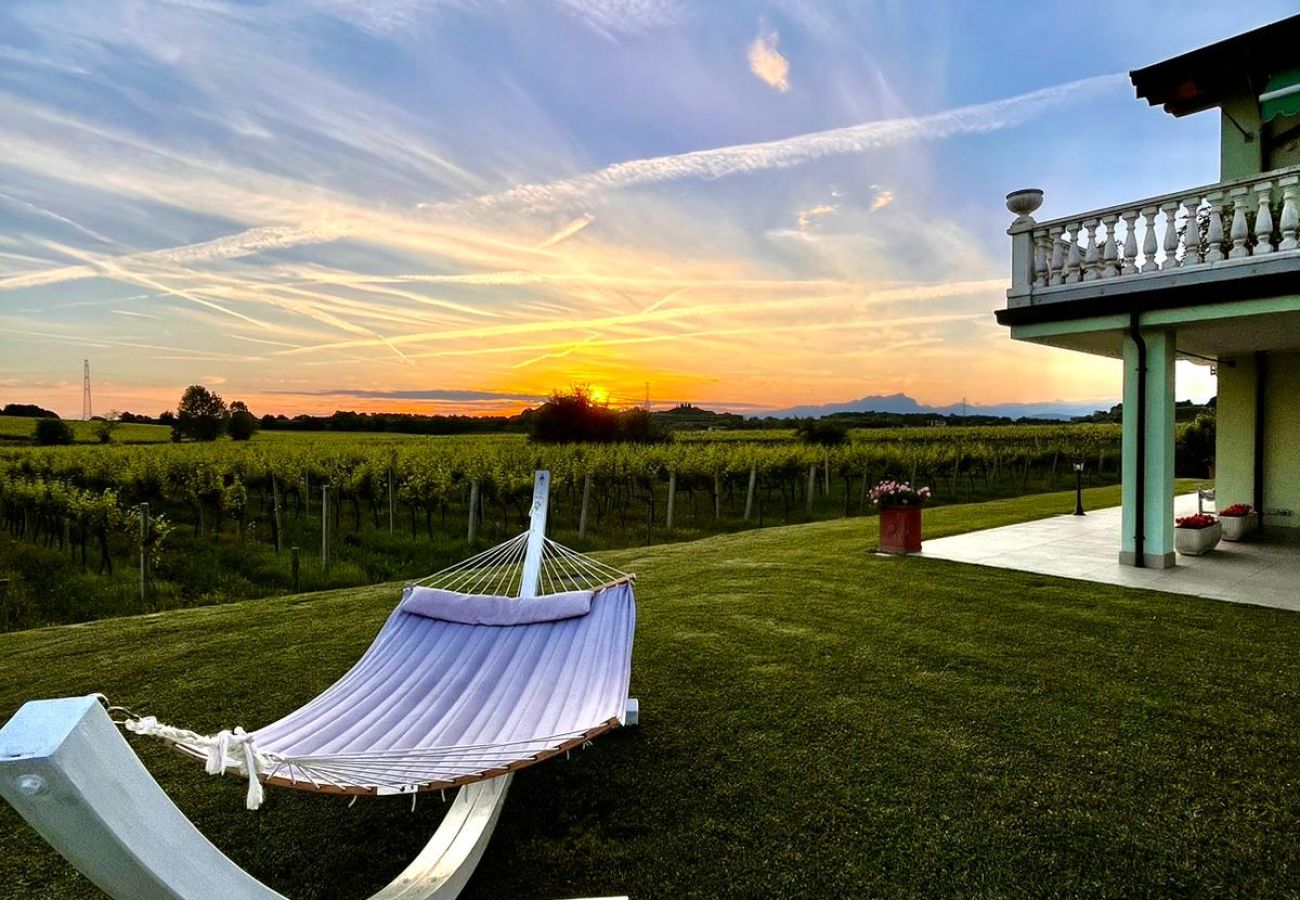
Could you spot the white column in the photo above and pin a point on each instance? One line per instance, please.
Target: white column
(1158, 471)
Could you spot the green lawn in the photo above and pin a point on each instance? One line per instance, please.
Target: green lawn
(21, 430)
(816, 721)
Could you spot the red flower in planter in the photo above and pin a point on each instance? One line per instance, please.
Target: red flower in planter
(1198, 521)
(1237, 510)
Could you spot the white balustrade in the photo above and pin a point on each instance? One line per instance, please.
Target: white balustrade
(1290, 221)
(1238, 233)
(1263, 219)
(1209, 226)
(1108, 252)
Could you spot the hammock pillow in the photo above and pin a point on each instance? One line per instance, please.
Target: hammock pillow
(486, 609)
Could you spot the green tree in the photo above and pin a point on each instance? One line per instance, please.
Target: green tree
(53, 431)
(821, 432)
(201, 415)
(243, 424)
(572, 416)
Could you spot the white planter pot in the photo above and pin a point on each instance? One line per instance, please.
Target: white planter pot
(1197, 541)
(1238, 528)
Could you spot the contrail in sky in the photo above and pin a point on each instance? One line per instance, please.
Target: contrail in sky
(722, 162)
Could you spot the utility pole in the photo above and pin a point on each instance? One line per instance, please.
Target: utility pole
(86, 410)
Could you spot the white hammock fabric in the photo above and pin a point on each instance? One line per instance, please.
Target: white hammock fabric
(435, 703)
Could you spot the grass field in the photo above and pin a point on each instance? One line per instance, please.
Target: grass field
(816, 721)
(20, 430)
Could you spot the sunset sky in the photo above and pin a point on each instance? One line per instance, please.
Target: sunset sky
(459, 205)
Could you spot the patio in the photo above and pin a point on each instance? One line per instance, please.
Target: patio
(1264, 571)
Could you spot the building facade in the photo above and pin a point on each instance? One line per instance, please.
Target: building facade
(1210, 274)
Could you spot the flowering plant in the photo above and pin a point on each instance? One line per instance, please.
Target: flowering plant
(898, 493)
(1198, 521)
(1237, 509)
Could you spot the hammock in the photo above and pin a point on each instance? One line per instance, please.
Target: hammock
(474, 675)
(477, 673)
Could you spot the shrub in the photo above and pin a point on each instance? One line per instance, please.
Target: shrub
(53, 431)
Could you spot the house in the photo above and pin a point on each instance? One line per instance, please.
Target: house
(1210, 274)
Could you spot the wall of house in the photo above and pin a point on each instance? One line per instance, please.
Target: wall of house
(1282, 437)
(1235, 450)
(1257, 150)
(1240, 155)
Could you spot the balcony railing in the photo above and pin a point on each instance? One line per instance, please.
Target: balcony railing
(1205, 229)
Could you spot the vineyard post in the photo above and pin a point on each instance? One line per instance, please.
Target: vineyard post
(749, 496)
(144, 547)
(473, 508)
(324, 528)
(812, 486)
(307, 491)
(392, 500)
(275, 512)
(826, 471)
(672, 500)
(717, 496)
(586, 500)
(295, 569)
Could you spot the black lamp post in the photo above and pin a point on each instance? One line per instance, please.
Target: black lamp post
(1078, 489)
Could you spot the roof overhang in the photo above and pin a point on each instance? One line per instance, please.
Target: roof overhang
(1201, 79)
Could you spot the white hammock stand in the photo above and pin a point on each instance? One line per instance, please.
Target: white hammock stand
(67, 770)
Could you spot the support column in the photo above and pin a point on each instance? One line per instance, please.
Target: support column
(1156, 470)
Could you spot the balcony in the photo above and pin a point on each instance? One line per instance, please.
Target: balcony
(1231, 240)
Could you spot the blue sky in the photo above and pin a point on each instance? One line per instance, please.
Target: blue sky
(325, 204)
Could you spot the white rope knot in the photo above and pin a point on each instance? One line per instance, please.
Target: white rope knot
(229, 749)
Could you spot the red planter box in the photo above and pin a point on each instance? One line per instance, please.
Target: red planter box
(900, 529)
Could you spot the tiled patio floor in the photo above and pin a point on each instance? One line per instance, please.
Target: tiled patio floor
(1265, 572)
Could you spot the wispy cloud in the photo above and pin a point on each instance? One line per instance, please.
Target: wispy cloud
(812, 213)
(767, 63)
(568, 230)
(624, 16)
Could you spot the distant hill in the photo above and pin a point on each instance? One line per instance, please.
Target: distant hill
(904, 405)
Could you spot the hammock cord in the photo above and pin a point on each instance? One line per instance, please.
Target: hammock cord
(498, 571)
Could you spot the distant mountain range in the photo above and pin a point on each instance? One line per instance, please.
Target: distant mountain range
(901, 403)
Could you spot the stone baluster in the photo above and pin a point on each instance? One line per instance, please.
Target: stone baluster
(1289, 222)
(1149, 263)
(1171, 235)
(1192, 232)
(1042, 257)
(1263, 218)
(1239, 233)
(1109, 252)
(1056, 265)
(1130, 242)
(1073, 261)
(1214, 233)
(1091, 262)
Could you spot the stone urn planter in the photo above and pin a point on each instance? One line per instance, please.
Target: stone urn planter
(1197, 535)
(1239, 521)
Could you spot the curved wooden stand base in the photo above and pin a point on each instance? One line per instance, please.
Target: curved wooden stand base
(69, 772)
